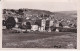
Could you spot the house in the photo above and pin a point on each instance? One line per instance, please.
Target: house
(43, 24)
(34, 27)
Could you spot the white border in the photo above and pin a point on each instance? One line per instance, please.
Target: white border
(78, 24)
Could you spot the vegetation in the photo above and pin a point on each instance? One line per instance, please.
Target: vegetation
(10, 23)
(39, 40)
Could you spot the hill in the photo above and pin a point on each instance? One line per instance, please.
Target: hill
(36, 14)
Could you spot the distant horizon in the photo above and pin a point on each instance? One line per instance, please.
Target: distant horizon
(41, 9)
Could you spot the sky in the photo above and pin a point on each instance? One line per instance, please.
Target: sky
(55, 5)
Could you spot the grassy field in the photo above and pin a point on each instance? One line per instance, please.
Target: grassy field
(39, 40)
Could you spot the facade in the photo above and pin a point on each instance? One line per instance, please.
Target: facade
(43, 24)
(34, 27)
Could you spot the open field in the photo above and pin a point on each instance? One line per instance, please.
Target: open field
(39, 40)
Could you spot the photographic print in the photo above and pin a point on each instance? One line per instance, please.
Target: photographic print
(34, 24)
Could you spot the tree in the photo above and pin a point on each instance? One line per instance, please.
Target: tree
(12, 10)
(3, 23)
(60, 24)
(10, 23)
(4, 11)
(28, 25)
(20, 12)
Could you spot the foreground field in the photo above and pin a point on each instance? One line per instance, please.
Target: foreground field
(39, 40)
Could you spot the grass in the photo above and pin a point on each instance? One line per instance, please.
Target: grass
(39, 40)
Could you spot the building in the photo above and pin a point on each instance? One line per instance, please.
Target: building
(43, 24)
(34, 27)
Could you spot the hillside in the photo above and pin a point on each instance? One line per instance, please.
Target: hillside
(66, 14)
(36, 14)
(35, 11)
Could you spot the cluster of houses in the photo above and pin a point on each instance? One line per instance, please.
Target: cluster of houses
(49, 24)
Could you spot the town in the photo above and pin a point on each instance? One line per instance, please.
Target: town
(20, 21)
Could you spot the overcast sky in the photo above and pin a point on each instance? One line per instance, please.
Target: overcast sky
(42, 5)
